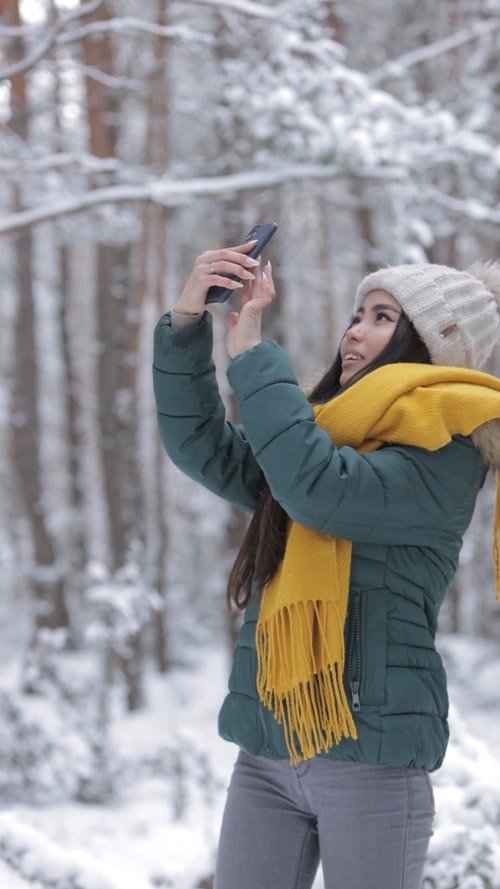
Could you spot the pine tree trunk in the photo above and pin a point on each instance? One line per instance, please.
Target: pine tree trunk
(47, 577)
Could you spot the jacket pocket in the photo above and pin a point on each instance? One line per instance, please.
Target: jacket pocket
(366, 648)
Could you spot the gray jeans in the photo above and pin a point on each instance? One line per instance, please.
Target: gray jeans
(369, 825)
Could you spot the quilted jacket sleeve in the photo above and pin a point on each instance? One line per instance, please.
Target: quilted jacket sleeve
(191, 415)
(398, 495)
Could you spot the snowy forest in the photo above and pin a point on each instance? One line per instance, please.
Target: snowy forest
(132, 137)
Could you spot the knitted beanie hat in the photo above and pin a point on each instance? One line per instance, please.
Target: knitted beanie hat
(455, 313)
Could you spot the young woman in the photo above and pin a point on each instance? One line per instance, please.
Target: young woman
(360, 494)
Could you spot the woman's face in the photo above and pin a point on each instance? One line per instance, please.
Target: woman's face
(369, 333)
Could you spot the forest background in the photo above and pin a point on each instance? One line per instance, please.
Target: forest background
(132, 138)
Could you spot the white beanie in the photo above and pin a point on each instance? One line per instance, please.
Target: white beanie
(455, 313)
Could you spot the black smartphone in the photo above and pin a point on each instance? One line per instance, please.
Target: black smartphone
(263, 232)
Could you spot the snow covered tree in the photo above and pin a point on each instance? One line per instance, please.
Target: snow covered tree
(131, 140)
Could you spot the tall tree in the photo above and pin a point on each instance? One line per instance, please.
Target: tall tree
(47, 579)
(117, 337)
(149, 290)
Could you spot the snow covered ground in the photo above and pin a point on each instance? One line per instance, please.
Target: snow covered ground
(161, 834)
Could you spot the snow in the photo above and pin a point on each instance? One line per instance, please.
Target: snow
(36, 858)
(160, 833)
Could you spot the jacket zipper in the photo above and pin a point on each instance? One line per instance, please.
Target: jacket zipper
(354, 655)
(262, 720)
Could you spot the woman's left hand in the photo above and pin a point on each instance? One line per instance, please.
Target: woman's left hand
(243, 328)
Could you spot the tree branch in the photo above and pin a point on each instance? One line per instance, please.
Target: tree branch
(246, 7)
(129, 24)
(11, 32)
(83, 10)
(42, 46)
(42, 42)
(398, 66)
(172, 194)
(21, 163)
(109, 80)
(470, 208)
(60, 35)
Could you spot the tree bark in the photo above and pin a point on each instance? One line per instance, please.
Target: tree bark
(117, 335)
(47, 577)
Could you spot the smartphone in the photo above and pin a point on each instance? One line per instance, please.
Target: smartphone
(263, 232)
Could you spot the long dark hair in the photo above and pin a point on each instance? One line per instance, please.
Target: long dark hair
(263, 546)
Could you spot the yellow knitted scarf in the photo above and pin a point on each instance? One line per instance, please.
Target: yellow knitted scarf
(300, 631)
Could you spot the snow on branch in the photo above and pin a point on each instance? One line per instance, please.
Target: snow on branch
(470, 208)
(171, 194)
(109, 80)
(59, 161)
(43, 43)
(84, 9)
(41, 48)
(12, 32)
(397, 67)
(247, 7)
(63, 33)
(129, 25)
(176, 193)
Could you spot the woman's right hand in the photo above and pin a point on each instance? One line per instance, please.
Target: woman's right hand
(207, 271)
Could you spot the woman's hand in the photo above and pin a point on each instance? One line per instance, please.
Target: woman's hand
(208, 269)
(243, 329)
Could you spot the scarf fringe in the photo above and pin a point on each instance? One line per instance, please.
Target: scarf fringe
(496, 537)
(313, 711)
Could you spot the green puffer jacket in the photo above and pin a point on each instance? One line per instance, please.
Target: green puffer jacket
(405, 509)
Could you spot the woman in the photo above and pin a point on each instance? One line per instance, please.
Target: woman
(361, 495)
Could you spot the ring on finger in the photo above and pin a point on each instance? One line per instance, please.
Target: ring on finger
(212, 268)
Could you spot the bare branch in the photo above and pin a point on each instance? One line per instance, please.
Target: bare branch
(9, 32)
(82, 162)
(124, 25)
(398, 66)
(41, 48)
(468, 208)
(247, 7)
(130, 25)
(59, 35)
(83, 10)
(108, 79)
(171, 194)
(12, 32)
(43, 43)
